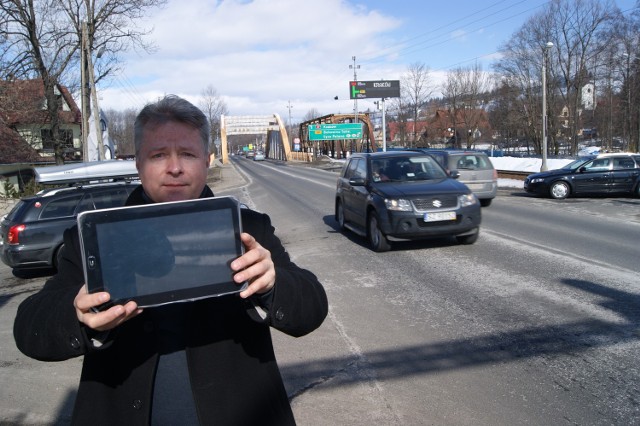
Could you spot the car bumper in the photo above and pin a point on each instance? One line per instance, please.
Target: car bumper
(536, 188)
(483, 190)
(16, 257)
(411, 225)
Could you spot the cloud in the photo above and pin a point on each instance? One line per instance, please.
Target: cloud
(257, 54)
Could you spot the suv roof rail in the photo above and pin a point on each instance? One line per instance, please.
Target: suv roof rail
(93, 171)
(47, 192)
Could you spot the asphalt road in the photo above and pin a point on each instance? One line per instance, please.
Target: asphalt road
(536, 323)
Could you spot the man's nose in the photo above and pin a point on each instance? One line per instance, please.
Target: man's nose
(174, 165)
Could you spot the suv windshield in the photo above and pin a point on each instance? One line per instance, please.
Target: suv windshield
(404, 169)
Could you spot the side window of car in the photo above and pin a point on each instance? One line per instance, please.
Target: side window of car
(623, 163)
(361, 169)
(598, 165)
(85, 204)
(62, 207)
(108, 199)
(350, 171)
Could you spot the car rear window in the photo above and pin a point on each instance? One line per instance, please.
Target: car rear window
(11, 216)
(469, 162)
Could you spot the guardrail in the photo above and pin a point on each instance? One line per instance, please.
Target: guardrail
(511, 174)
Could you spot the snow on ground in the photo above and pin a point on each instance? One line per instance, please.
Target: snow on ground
(522, 165)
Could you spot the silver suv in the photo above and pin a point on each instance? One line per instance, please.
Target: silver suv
(475, 169)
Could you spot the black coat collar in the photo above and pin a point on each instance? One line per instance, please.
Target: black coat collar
(138, 196)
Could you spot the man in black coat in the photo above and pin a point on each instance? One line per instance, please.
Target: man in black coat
(204, 362)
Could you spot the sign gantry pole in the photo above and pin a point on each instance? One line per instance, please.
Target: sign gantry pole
(384, 128)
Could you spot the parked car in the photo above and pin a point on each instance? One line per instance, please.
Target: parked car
(475, 168)
(259, 156)
(32, 231)
(612, 173)
(404, 195)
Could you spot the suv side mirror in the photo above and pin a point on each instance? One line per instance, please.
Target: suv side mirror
(454, 174)
(356, 181)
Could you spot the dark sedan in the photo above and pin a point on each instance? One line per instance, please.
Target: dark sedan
(385, 196)
(605, 174)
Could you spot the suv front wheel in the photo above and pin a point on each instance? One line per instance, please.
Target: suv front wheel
(340, 215)
(377, 240)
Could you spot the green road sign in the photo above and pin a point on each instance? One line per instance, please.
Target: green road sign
(331, 132)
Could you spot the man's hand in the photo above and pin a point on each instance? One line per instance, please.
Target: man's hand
(105, 320)
(255, 266)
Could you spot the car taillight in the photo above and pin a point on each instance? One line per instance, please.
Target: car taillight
(495, 174)
(13, 237)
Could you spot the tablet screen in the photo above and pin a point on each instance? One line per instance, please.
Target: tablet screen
(162, 253)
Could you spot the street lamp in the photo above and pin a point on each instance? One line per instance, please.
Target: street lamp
(289, 106)
(355, 79)
(545, 52)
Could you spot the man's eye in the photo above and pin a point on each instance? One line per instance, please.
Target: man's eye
(157, 155)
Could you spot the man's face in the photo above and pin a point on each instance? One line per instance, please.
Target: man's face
(172, 163)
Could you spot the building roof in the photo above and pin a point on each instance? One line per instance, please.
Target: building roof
(23, 102)
(13, 149)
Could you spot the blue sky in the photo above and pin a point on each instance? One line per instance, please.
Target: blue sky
(264, 55)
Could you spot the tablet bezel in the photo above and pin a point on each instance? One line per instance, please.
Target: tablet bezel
(88, 227)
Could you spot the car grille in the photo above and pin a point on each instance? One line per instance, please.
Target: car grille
(435, 203)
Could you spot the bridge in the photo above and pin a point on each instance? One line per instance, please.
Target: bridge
(277, 143)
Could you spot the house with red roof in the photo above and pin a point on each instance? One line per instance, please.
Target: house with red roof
(24, 122)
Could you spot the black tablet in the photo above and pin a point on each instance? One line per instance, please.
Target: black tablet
(162, 253)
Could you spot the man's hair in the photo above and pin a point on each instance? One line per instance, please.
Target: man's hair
(168, 109)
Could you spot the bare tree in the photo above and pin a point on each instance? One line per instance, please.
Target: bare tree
(121, 130)
(581, 32)
(627, 42)
(37, 45)
(311, 114)
(416, 90)
(465, 89)
(213, 107)
(42, 39)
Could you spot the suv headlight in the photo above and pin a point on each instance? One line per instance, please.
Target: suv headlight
(467, 200)
(537, 180)
(398, 205)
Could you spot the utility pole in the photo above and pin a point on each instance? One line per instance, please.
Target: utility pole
(545, 50)
(87, 70)
(355, 78)
(83, 91)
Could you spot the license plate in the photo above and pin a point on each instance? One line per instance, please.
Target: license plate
(475, 186)
(439, 216)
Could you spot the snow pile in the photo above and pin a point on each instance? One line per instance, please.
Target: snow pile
(526, 164)
(516, 164)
